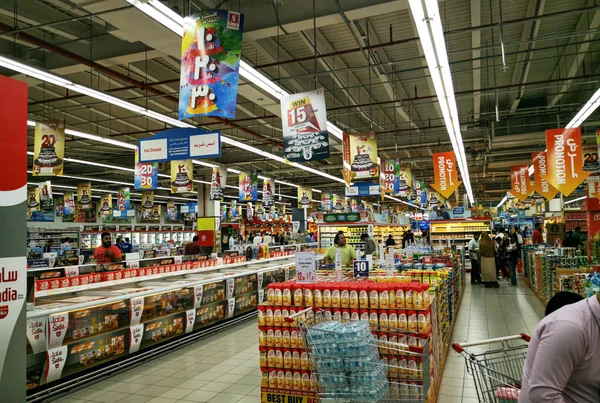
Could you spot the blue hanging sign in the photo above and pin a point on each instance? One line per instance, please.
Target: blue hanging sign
(363, 189)
(180, 144)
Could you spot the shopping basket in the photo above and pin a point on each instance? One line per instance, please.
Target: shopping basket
(497, 372)
(350, 364)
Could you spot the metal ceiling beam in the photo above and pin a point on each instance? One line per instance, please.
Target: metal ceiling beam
(476, 44)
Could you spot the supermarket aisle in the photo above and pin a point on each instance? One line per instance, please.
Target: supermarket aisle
(224, 368)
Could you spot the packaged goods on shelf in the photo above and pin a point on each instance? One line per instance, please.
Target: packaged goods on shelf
(459, 232)
(353, 231)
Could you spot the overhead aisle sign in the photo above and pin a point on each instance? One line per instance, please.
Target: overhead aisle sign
(180, 144)
(565, 160)
(540, 170)
(520, 184)
(445, 173)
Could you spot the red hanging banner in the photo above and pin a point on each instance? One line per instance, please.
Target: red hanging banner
(444, 173)
(519, 179)
(540, 170)
(565, 160)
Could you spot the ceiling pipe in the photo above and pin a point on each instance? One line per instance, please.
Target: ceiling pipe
(408, 40)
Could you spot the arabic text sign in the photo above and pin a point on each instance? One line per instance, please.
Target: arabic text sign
(519, 179)
(180, 144)
(565, 161)
(444, 172)
(540, 170)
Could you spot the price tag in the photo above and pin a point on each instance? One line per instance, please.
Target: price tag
(338, 265)
(389, 262)
(190, 316)
(295, 226)
(230, 307)
(361, 268)
(72, 271)
(135, 337)
(230, 287)
(178, 259)
(370, 230)
(306, 268)
(136, 307)
(287, 273)
(426, 259)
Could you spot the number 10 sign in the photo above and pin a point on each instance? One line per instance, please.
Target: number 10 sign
(361, 268)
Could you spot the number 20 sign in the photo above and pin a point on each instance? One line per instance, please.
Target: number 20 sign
(146, 174)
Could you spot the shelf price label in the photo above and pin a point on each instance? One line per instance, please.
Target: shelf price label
(190, 316)
(58, 325)
(230, 307)
(361, 268)
(198, 291)
(136, 307)
(338, 265)
(427, 259)
(389, 262)
(135, 337)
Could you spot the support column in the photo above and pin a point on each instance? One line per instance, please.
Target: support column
(13, 263)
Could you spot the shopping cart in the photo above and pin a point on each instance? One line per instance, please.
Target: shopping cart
(351, 365)
(497, 372)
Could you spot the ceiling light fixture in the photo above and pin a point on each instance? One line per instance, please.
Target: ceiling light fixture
(574, 200)
(502, 202)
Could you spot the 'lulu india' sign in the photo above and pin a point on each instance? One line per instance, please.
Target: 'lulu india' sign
(519, 178)
(446, 177)
(565, 160)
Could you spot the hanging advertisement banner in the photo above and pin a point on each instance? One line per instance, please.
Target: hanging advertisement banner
(172, 215)
(590, 159)
(147, 201)
(363, 189)
(182, 176)
(68, 205)
(217, 182)
(404, 182)
(180, 144)
(267, 192)
(248, 186)
(327, 201)
(33, 200)
(145, 174)
(49, 148)
(260, 212)
(210, 60)
(105, 205)
(46, 200)
(304, 126)
(519, 180)
(445, 173)
(338, 203)
(360, 156)
(124, 199)
(389, 176)
(565, 160)
(540, 170)
(436, 199)
(420, 192)
(84, 196)
(304, 197)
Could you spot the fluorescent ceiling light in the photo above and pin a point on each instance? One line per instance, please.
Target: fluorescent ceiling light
(589, 107)
(404, 202)
(574, 200)
(160, 14)
(502, 202)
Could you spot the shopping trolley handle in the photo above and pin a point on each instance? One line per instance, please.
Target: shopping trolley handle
(460, 347)
(290, 318)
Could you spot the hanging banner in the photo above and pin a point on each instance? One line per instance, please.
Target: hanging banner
(210, 60)
(46, 200)
(182, 176)
(33, 200)
(147, 200)
(180, 144)
(84, 195)
(363, 189)
(145, 174)
(565, 162)
(436, 199)
(327, 201)
(267, 192)
(590, 159)
(594, 189)
(68, 204)
(540, 170)
(218, 182)
(404, 182)
(248, 186)
(124, 199)
(233, 211)
(420, 192)
(105, 206)
(172, 214)
(360, 156)
(445, 173)
(304, 126)
(304, 197)
(338, 203)
(389, 176)
(260, 212)
(519, 180)
(49, 148)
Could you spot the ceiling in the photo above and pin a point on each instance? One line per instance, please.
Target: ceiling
(369, 61)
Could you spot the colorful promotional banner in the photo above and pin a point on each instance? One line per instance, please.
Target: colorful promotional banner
(389, 176)
(405, 182)
(594, 189)
(304, 126)
(182, 176)
(145, 175)
(248, 183)
(172, 214)
(338, 203)
(590, 159)
(49, 148)
(304, 197)
(46, 201)
(105, 206)
(519, 180)
(327, 201)
(540, 170)
(68, 204)
(565, 160)
(84, 196)
(360, 156)
(260, 211)
(147, 200)
(33, 200)
(180, 144)
(420, 192)
(445, 173)
(436, 199)
(267, 192)
(233, 210)
(217, 182)
(124, 199)
(210, 59)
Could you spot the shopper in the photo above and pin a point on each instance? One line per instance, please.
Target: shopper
(66, 245)
(560, 299)
(268, 239)
(257, 239)
(537, 237)
(348, 253)
(473, 256)
(577, 238)
(126, 247)
(563, 359)
(119, 242)
(513, 258)
(370, 246)
(517, 232)
(287, 238)
(445, 214)
(231, 242)
(408, 238)
(106, 252)
(193, 248)
(390, 241)
(487, 261)
(569, 242)
(311, 238)
(501, 257)
(48, 246)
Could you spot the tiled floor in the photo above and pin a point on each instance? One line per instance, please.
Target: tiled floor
(224, 368)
